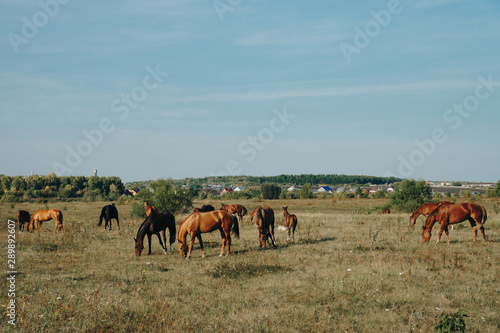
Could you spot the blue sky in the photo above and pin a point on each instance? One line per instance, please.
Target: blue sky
(192, 88)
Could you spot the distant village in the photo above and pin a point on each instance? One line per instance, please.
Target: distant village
(443, 188)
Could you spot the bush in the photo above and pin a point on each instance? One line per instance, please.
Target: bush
(270, 191)
(452, 323)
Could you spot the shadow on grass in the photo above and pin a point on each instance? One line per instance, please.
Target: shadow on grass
(245, 270)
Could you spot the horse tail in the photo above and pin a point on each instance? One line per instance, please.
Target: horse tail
(236, 227)
(243, 211)
(101, 217)
(171, 229)
(485, 215)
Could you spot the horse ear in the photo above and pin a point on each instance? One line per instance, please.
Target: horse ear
(135, 240)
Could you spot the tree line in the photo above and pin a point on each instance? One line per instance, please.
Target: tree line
(299, 180)
(20, 188)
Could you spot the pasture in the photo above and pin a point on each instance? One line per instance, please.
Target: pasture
(351, 269)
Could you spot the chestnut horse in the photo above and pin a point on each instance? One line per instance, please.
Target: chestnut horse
(290, 223)
(107, 213)
(264, 219)
(386, 211)
(199, 223)
(235, 209)
(23, 217)
(149, 208)
(449, 213)
(154, 224)
(43, 215)
(425, 210)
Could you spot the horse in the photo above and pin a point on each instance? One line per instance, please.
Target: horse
(264, 219)
(42, 215)
(154, 224)
(204, 209)
(290, 223)
(23, 217)
(425, 210)
(450, 213)
(235, 209)
(199, 223)
(149, 208)
(386, 211)
(107, 213)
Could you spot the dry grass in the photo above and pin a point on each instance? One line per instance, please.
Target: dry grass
(347, 271)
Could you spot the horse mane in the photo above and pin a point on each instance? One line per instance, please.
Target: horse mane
(103, 212)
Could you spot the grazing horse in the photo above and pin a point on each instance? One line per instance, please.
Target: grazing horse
(154, 224)
(204, 209)
(425, 210)
(23, 217)
(107, 213)
(235, 209)
(386, 211)
(199, 223)
(149, 208)
(290, 223)
(43, 215)
(264, 219)
(449, 213)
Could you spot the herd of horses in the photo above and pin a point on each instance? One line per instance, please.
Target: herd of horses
(227, 219)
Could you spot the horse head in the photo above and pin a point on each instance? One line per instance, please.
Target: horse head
(426, 234)
(139, 246)
(285, 211)
(183, 248)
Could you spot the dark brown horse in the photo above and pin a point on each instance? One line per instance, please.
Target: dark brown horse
(449, 213)
(43, 215)
(153, 225)
(107, 213)
(23, 217)
(199, 223)
(149, 208)
(264, 219)
(235, 209)
(204, 209)
(290, 223)
(425, 210)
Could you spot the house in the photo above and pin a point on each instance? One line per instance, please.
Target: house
(325, 189)
(227, 190)
(293, 188)
(131, 192)
(239, 188)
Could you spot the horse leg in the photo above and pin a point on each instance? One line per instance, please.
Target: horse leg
(223, 236)
(447, 234)
(164, 241)
(118, 223)
(149, 242)
(191, 245)
(201, 246)
(484, 236)
(474, 228)
(443, 227)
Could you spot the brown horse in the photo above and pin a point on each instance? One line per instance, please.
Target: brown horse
(386, 211)
(23, 217)
(449, 213)
(149, 208)
(235, 209)
(290, 223)
(154, 224)
(264, 219)
(425, 210)
(199, 223)
(43, 215)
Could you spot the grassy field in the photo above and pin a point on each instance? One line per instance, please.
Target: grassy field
(349, 270)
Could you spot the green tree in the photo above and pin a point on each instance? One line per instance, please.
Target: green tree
(270, 191)
(410, 194)
(306, 192)
(166, 196)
